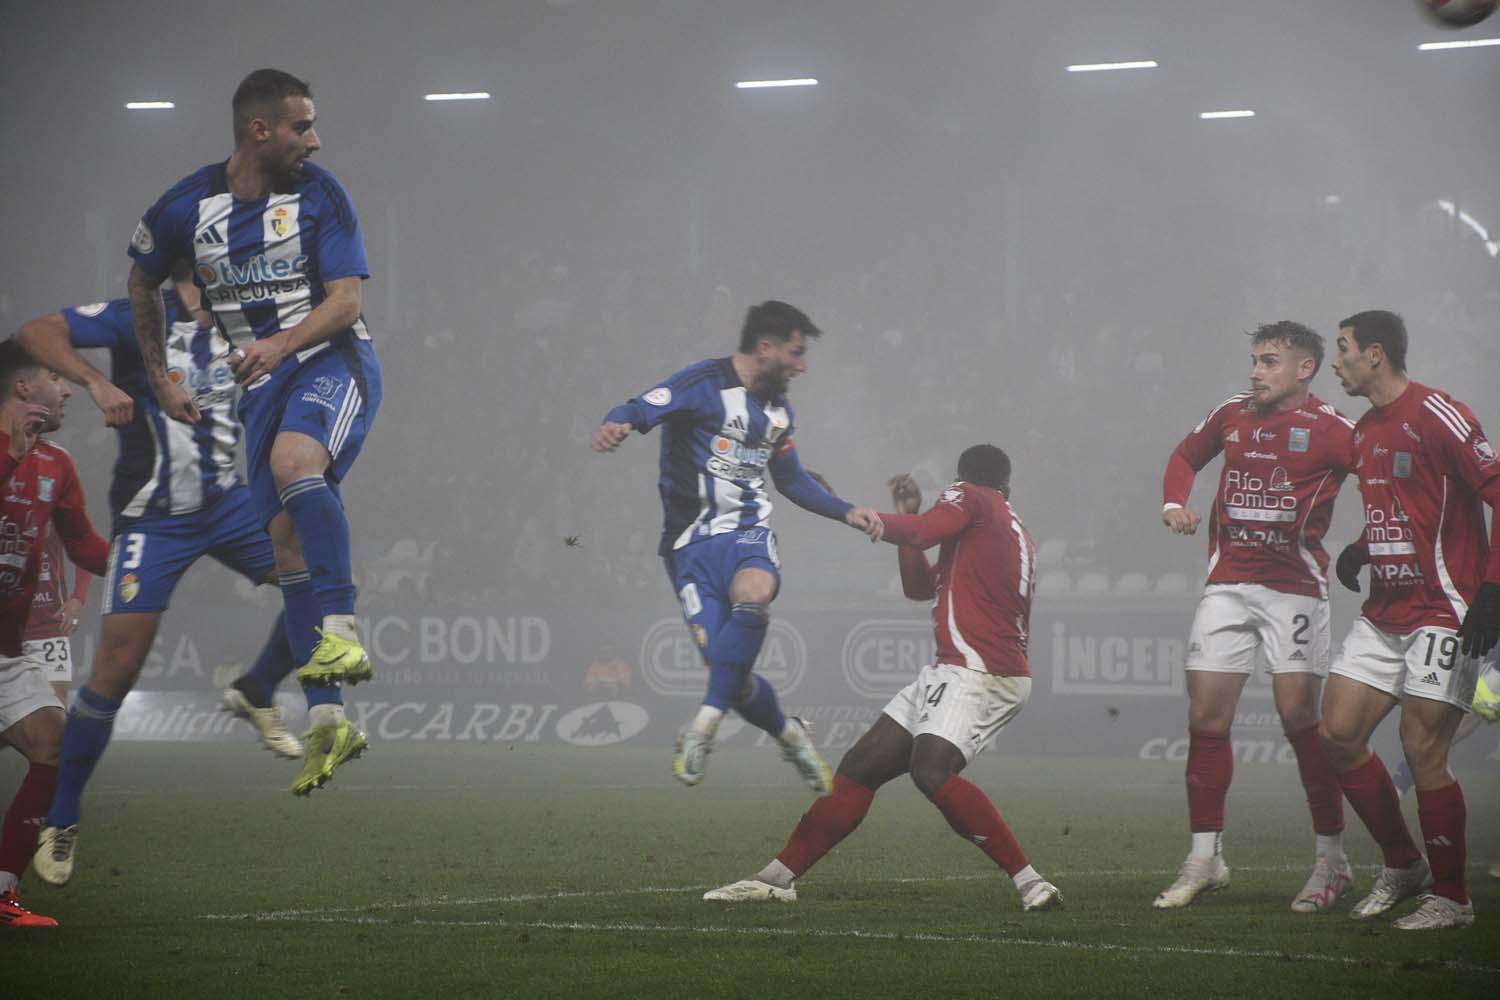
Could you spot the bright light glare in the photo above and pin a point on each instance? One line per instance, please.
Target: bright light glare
(758, 84)
(1470, 43)
(1492, 247)
(475, 95)
(1227, 114)
(149, 105)
(1101, 67)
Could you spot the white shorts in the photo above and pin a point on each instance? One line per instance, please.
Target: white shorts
(24, 689)
(53, 656)
(965, 707)
(1426, 663)
(1241, 624)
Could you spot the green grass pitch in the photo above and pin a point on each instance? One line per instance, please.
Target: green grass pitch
(538, 871)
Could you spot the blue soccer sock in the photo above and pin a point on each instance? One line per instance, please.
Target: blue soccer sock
(761, 709)
(271, 666)
(323, 530)
(731, 653)
(302, 617)
(90, 722)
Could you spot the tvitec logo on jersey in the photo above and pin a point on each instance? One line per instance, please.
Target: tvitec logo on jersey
(672, 665)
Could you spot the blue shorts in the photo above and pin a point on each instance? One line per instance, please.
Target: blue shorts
(148, 555)
(332, 397)
(702, 571)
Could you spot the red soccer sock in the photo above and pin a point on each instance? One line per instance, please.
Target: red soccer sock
(974, 817)
(25, 818)
(829, 821)
(1443, 817)
(1373, 795)
(1325, 800)
(1210, 768)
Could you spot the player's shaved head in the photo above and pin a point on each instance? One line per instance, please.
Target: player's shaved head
(15, 361)
(1289, 334)
(1380, 326)
(776, 321)
(985, 465)
(260, 94)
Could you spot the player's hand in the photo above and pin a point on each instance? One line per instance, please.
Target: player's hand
(72, 614)
(113, 402)
(175, 401)
(866, 519)
(1351, 561)
(257, 358)
(610, 435)
(1181, 520)
(906, 495)
(23, 427)
(1481, 628)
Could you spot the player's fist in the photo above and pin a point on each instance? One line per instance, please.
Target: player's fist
(1181, 520)
(609, 436)
(24, 425)
(906, 495)
(1350, 562)
(257, 359)
(867, 520)
(1481, 628)
(112, 401)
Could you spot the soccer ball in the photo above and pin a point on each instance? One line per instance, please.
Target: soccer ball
(1459, 13)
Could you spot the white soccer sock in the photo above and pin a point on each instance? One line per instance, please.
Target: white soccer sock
(776, 874)
(341, 626)
(706, 722)
(325, 715)
(1025, 877)
(9, 881)
(1207, 845)
(1331, 847)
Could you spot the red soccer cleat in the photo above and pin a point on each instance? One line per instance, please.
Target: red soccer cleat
(13, 914)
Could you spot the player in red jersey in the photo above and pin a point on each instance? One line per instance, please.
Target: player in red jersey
(935, 726)
(38, 489)
(1425, 472)
(55, 615)
(1286, 452)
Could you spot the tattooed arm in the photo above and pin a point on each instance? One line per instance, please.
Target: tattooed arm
(149, 315)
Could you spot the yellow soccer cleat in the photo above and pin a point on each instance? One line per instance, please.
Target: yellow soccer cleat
(1486, 701)
(336, 660)
(327, 747)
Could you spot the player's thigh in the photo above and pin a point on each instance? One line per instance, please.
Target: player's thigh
(756, 567)
(124, 643)
(882, 753)
(1296, 696)
(38, 737)
(331, 400)
(1351, 710)
(1364, 684)
(25, 694)
(1213, 696)
(146, 561)
(1427, 729)
(1437, 669)
(962, 706)
(935, 759)
(1294, 631)
(703, 600)
(239, 541)
(1224, 637)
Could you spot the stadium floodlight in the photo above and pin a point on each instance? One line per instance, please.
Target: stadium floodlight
(1468, 43)
(472, 95)
(1104, 67)
(759, 84)
(149, 105)
(1208, 115)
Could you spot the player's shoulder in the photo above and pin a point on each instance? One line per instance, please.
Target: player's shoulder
(320, 185)
(716, 372)
(48, 452)
(1241, 403)
(206, 180)
(1441, 412)
(1320, 410)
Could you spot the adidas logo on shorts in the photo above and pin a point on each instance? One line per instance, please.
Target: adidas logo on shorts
(1430, 679)
(1297, 655)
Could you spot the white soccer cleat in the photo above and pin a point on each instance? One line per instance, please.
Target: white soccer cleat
(751, 890)
(1436, 913)
(691, 758)
(1040, 895)
(1197, 875)
(804, 756)
(53, 860)
(1495, 870)
(1391, 887)
(1324, 887)
(267, 723)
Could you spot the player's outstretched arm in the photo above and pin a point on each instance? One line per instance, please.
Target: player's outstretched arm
(946, 519)
(49, 340)
(149, 316)
(800, 488)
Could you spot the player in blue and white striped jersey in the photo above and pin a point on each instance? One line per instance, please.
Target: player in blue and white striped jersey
(275, 246)
(725, 423)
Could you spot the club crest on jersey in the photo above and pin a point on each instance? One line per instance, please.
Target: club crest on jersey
(326, 386)
(44, 488)
(280, 224)
(141, 239)
(1298, 438)
(92, 309)
(952, 494)
(130, 587)
(659, 396)
(1401, 465)
(1484, 451)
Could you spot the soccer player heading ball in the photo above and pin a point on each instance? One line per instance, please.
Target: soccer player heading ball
(1285, 454)
(1425, 471)
(725, 423)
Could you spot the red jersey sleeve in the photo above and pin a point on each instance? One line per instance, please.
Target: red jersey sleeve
(1470, 457)
(918, 576)
(83, 544)
(944, 520)
(1200, 447)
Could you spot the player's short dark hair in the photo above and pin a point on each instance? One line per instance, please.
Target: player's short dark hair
(1383, 327)
(1291, 334)
(985, 465)
(263, 89)
(14, 359)
(776, 321)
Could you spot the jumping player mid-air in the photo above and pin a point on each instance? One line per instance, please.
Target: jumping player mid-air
(1286, 452)
(1426, 471)
(933, 728)
(275, 247)
(725, 423)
